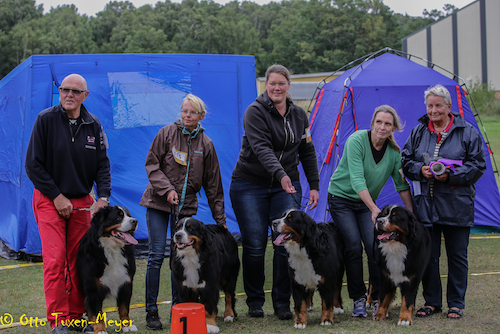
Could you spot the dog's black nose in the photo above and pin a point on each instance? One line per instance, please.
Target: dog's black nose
(177, 237)
(275, 223)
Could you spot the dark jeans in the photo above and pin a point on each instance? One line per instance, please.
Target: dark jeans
(456, 241)
(354, 221)
(255, 208)
(157, 222)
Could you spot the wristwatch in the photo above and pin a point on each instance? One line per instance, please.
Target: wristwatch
(105, 199)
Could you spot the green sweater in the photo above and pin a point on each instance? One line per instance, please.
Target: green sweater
(358, 171)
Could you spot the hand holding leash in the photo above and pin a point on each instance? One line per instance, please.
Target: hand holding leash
(173, 198)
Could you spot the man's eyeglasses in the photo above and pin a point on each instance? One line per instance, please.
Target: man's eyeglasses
(191, 112)
(76, 92)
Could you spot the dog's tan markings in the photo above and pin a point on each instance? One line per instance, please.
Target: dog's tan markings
(326, 314)
(108, 229)
(369, 299)
(336, 300)
(123, 312)
(301, 316)
(309, 299)
(210, 318)
(287, 229)
(405, 313)
(321, 280)
(383, 307)
(100, 326)
(399, 228)
(197, 242)
(228, 311)
(98, 282)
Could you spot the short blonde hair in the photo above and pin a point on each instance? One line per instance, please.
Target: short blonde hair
(196, 102)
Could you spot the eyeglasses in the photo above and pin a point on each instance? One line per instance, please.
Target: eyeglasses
(76, 92)
(191, 112)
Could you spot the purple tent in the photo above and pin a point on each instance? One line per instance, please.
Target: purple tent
(346, 104)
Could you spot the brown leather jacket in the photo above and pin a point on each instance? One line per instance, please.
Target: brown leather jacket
(169, 156)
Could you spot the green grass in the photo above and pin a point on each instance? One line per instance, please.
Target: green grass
(22, 297)
(21, 293)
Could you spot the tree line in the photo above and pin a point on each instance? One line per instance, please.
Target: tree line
(306, 36)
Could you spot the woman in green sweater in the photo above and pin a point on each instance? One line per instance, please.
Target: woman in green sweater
(370, 157)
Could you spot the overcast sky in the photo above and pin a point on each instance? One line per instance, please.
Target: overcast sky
(410, 7)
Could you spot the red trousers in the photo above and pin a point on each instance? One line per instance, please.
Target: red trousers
(60, 241)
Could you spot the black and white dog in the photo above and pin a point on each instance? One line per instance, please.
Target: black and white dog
(204, 260)
(106, 264)
(403, 251)
(316, 261)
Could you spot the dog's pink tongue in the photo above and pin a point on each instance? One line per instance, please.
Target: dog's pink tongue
(127, 237)
(130, 239)
(279, 239)
(384, 236)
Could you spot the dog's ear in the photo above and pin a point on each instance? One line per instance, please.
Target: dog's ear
(412, 222)
(307, 226)
(99, 218)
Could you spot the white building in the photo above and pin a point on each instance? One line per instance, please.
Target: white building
(466, 43)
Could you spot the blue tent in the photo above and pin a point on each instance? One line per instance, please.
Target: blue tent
(133, 95)
(346, 104)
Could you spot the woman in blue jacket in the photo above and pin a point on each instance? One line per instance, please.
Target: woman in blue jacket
(443, 197)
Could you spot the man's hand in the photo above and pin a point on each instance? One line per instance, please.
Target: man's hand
(63, 206)
(99, 205)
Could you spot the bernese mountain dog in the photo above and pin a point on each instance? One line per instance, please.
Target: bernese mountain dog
(106, 265)
(315, 261)
(403, 249)
(204, 260)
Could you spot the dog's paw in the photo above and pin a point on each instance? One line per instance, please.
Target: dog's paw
(102, 332)
(326, 323)
(404, 323)
(212, 329)
(130, 328)
(300, 326)
(229, 319)
(338, 310)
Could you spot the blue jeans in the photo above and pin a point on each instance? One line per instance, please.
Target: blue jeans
(157, 222)
(456, 240)
(354, 220)
(255, 208)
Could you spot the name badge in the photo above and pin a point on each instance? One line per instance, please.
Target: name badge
(308, 135)
(179, 157)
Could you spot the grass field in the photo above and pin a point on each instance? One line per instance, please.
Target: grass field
(22, 300)
(22, 297)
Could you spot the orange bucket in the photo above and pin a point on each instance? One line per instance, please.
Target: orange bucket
(188, 318)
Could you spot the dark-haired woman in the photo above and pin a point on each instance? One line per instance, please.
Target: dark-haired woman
(265, 183)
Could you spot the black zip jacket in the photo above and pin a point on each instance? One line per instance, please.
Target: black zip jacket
(57, 162)
(273, 145)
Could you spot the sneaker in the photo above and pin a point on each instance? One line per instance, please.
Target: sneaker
(153, 320)
(375, 306)
(359, 308)
(83, 327)
(283, 313)
(255, 311)
(60, 329)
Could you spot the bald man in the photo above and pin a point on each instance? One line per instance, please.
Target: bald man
(66, 155)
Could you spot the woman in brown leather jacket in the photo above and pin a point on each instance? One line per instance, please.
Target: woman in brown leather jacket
(180, 161)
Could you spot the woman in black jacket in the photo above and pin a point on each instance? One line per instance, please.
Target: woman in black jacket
(265, 183)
